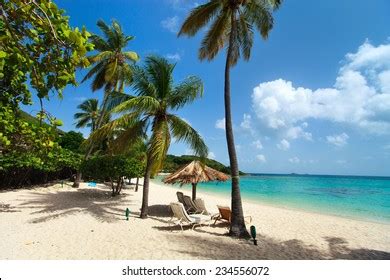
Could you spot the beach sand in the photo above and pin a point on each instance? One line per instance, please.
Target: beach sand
(87, 223)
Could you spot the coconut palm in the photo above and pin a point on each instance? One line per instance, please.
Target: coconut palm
(151, 111)
(88, 115)
(232, 24)
(112, 68)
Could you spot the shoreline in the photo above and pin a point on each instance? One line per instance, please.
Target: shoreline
(268, 204)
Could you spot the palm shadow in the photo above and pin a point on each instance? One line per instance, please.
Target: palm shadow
(7, 208)
(96, 202)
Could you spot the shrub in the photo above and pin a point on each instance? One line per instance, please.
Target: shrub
(112, 169)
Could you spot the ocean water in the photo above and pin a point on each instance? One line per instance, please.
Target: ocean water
(364, 198)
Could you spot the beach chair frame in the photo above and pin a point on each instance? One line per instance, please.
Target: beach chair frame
(180, 213)
(225, 214)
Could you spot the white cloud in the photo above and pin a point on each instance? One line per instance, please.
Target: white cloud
(220, 124)
(80, 98)
(341, 161)
(338, 140)
(294, 160)
(246, 123)
(360, 97)
(182, 4)
(211, 155)
(296, 132)
(171, 24)
(261, 158)
(284, 145)
(257, 144)
(173, 56)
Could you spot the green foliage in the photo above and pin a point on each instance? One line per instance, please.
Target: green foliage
(230, 24)
(112, 168)
(157, 98)
(27, 148)
(38, 46)
(173, 163)
(71, 141)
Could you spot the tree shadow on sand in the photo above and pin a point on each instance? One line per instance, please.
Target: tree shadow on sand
(268, 248)
(96, 202)
(7, 208)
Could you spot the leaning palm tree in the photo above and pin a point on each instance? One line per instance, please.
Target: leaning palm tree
(232, 25)
(112, 68)
(151, 111)
(88, 115)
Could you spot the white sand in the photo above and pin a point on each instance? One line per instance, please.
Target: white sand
(87, 223)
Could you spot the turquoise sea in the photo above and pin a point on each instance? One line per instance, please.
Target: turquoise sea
(366, 198)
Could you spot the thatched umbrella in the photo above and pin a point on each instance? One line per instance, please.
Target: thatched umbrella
(193, 173)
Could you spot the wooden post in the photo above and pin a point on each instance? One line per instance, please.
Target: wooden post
(193, 191)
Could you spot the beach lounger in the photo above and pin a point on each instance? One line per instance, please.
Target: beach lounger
(183, 218)
(225, 214)
(201, 206)
(190, 206)
(180, 197)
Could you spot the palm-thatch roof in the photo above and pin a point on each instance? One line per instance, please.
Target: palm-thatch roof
(195, 172)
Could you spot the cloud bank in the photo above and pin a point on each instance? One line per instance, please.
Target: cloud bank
(360, 97)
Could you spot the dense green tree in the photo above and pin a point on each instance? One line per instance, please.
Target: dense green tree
(232, 24)
(39, 52)
(71, 141)
(157, 97)
(37, 46)
(111, 168)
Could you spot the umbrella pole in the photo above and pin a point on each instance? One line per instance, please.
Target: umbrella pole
(193, 191)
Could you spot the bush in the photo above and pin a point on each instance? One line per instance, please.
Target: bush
(112, 169)
(29, 153)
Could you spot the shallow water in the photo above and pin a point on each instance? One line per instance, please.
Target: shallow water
(366, 198)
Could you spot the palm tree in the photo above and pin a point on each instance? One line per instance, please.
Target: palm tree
(151, 111)
(232, 25)
(88, 115)
(112, 68)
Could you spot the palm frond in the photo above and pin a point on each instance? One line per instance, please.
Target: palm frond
(245, 36)
(215, 37)
(159, 72)
(159, 144)
(111, 128)
(133, 56)
(186, 92)
(144, 104)
(200, 17)
(129, 136)
(182, 131)
(259, 13)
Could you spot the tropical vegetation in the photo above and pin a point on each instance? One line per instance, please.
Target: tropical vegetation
(152, 110)
(232, 24)
(112, 71)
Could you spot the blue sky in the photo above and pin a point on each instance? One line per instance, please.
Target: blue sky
(314, 98)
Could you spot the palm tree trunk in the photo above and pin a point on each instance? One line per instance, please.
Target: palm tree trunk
(237, 226)
(193, 191)
(145, 190)
(77, 180)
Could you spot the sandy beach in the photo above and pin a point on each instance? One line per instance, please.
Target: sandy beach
(59, 222)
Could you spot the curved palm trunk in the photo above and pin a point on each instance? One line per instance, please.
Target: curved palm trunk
(77, 180)
(237, 226)
(145, 190)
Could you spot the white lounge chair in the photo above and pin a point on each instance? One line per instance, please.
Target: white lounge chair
(183, 218)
